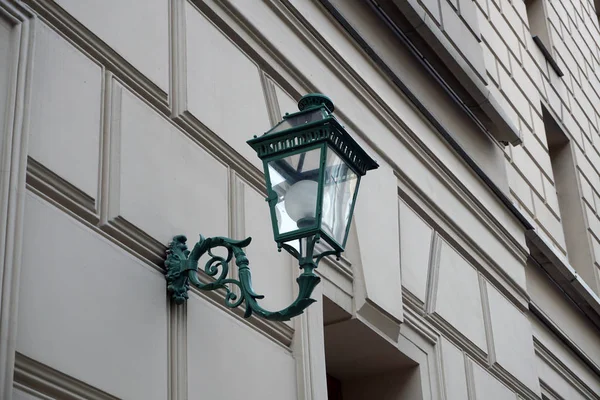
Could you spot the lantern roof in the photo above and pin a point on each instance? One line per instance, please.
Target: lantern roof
(314, 123)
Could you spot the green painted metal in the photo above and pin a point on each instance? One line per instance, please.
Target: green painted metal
(324, 132)
(182, 271)
(272, 198)
(315, 100)
(313, 127)
(327, 130)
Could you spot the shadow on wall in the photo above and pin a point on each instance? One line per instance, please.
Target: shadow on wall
(361, 365)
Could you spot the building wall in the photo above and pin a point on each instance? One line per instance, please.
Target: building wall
(126, 124)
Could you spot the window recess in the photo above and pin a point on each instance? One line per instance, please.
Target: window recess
(540, 33)
(570, 203)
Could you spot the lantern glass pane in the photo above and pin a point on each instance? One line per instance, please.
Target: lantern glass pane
(295, 181)
(340, 184)
(297, 120)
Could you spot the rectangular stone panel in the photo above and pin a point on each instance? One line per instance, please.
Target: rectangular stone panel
(458, 298)
(90, 310)
(557, 382)
(228, 359)
(137, 30)
(489, 388)
(224, 88)
(168, 184)
(415, 250)
(455, 374)
(513, 340)
(65, 110)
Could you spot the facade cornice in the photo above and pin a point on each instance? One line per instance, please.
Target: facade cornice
(558, 366)
(564, 276)
(564, 338)
(502, 128)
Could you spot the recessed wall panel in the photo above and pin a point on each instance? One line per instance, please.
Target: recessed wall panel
(137, 30)
(489, 388)
(458, 298)
(65, 110)
(415, 251)
(228, 359)
(169, 185)
(455, 376)
(224, 89)
(513, 339)
(90, 310)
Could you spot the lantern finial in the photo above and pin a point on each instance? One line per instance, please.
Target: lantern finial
(313, 100)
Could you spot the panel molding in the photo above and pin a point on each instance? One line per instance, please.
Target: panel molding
(433, 272)
(178, 57)
(487, 320)
(13, 165)
(110, 180)
(471, 392)
(560, 368)
(455, 336)
(180, 114)
(47, 383)
(538, 313)
(449, 231)
(64, 23)
(178, 362)
(431, 327)
(49, 183)
(270, 98)
(309, 352)
(548, 393)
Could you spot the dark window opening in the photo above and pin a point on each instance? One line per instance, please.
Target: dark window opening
(361, 365)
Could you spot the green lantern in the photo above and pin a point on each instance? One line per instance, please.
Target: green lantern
(312, 170)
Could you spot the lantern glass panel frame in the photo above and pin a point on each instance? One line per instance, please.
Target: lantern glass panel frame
(342, 163)
(277, 198)
(331, 163)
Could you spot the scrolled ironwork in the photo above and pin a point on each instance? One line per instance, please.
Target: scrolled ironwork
(182, 270)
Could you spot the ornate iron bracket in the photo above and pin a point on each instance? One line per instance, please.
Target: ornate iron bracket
(182, 270)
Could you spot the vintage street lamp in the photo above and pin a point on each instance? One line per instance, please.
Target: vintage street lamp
(312, 170)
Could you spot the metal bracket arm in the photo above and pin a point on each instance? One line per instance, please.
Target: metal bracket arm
(182, 270)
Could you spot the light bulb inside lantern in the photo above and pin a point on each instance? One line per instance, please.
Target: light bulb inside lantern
(301, 201)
